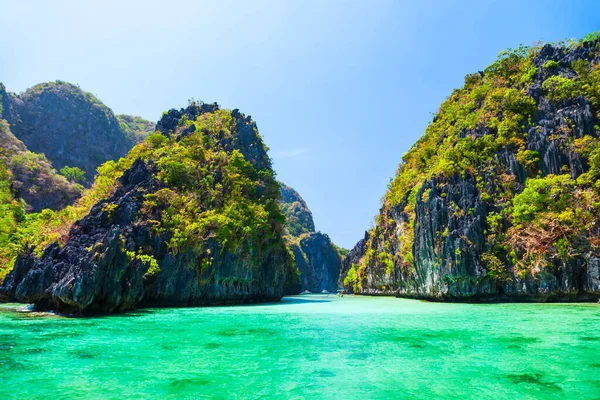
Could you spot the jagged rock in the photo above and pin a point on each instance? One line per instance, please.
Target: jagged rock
(318, 263)
(32, 177)
(438, 244)
(69, 126)
(351, 259)
(317, 259)
(100, 270)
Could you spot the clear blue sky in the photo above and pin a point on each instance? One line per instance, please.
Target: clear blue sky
(339, 89)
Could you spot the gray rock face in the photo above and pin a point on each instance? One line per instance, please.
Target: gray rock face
(450, 217)
(317, 259)
(299, 219)
(318, 262)
(92, 272)
(97, 271)
(352, 259)
(33, 178)
(69, 126)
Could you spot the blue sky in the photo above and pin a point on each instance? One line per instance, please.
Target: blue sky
(340, 90)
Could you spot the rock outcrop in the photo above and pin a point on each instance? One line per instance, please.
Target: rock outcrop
(193, 220)
(317, 259)
(69, 126)
(318, 262)
(497, 201)
(299, 219)
(32, 177)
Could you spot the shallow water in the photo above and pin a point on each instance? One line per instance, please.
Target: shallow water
(307, 347)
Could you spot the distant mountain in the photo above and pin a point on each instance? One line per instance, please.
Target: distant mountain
(135, 128)
(317, 258)
(31, 177)
(299, 219)
(71, 127)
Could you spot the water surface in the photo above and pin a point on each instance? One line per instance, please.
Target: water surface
(307, 347)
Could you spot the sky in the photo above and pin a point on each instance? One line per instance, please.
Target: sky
(340, 90)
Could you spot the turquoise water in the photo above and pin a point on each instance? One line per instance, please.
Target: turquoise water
(307, 347)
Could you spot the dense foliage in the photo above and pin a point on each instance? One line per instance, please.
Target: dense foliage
(550, 216)
(73, 174)
(210, 190)
(135, 128)
(21, 230)
(299, 219)
(213, 191)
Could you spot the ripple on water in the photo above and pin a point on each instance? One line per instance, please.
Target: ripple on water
(34, 350)
(248, 331)
(188, 383)
(410, 341)
(517, 342)
(83, 354)
(6, 346)
(8, 364)
(324, 373)
(361, 355)
(536, 379)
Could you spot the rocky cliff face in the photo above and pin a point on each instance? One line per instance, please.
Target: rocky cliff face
(317, 258)
(318, 263)
(75, 130)
(498, 200)
(193, 220)
(32, 177)
(69, 126)
(352, 259)
(299, 219)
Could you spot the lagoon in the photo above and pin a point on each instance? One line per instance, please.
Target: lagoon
(312, 346)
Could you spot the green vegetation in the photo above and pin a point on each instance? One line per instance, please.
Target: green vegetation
(12, 212)
(135, 128)
(209, 193)
(341, 251)
(150, 261)
(491, 114)
(552, 217)
(23, 230)
(298, 217)
(73, 174)
(352, 278)
(587, 84)
(551, 64)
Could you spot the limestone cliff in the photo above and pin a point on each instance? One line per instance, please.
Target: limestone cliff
(193, 219)
(31, 177)
(69, 126)
(499, 199)
(317, 259)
